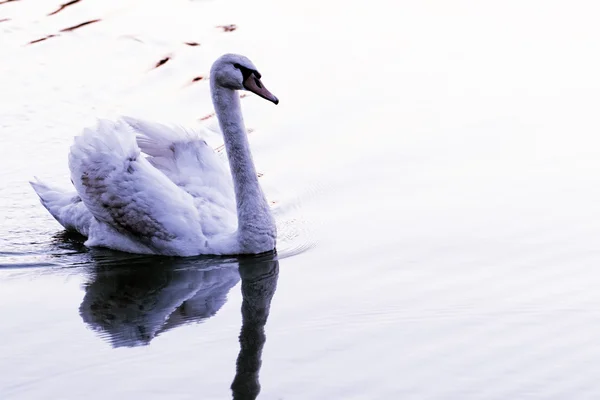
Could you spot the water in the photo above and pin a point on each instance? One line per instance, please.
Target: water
(433, 168)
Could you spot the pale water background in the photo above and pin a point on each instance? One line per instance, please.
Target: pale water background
(434, 171)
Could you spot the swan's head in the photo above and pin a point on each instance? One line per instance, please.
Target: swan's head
(236, 72)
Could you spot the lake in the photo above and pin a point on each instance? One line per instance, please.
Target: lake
(433, 169)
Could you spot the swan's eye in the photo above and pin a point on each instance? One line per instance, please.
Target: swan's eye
(247, 72)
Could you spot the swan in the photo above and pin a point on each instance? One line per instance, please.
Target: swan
(142, 187)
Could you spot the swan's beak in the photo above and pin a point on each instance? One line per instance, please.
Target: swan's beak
(253, 84)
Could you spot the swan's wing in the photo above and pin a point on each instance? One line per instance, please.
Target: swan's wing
(129, 197)
(186, 158)
(65, 206)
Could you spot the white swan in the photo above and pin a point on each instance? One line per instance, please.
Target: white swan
(178, 198)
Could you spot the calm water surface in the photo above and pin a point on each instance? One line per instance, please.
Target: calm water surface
(433, 169)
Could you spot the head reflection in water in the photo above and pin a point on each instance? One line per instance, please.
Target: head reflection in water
(132, 300)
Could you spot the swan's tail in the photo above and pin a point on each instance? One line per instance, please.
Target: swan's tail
(52, 198)
(65, 206)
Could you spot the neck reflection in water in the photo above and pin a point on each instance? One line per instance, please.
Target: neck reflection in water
(132, 299)
(259, 281)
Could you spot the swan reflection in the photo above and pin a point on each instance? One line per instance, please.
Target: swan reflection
(130, 304)
(133, 302)
(259, 281)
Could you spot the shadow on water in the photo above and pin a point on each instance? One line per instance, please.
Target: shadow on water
(131, 299)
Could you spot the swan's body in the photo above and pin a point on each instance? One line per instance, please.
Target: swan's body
(146, 188)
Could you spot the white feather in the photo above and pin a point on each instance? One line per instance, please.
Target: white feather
(65, 206)
(129, 198)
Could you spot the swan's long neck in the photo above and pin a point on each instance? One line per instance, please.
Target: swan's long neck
(256, 228)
